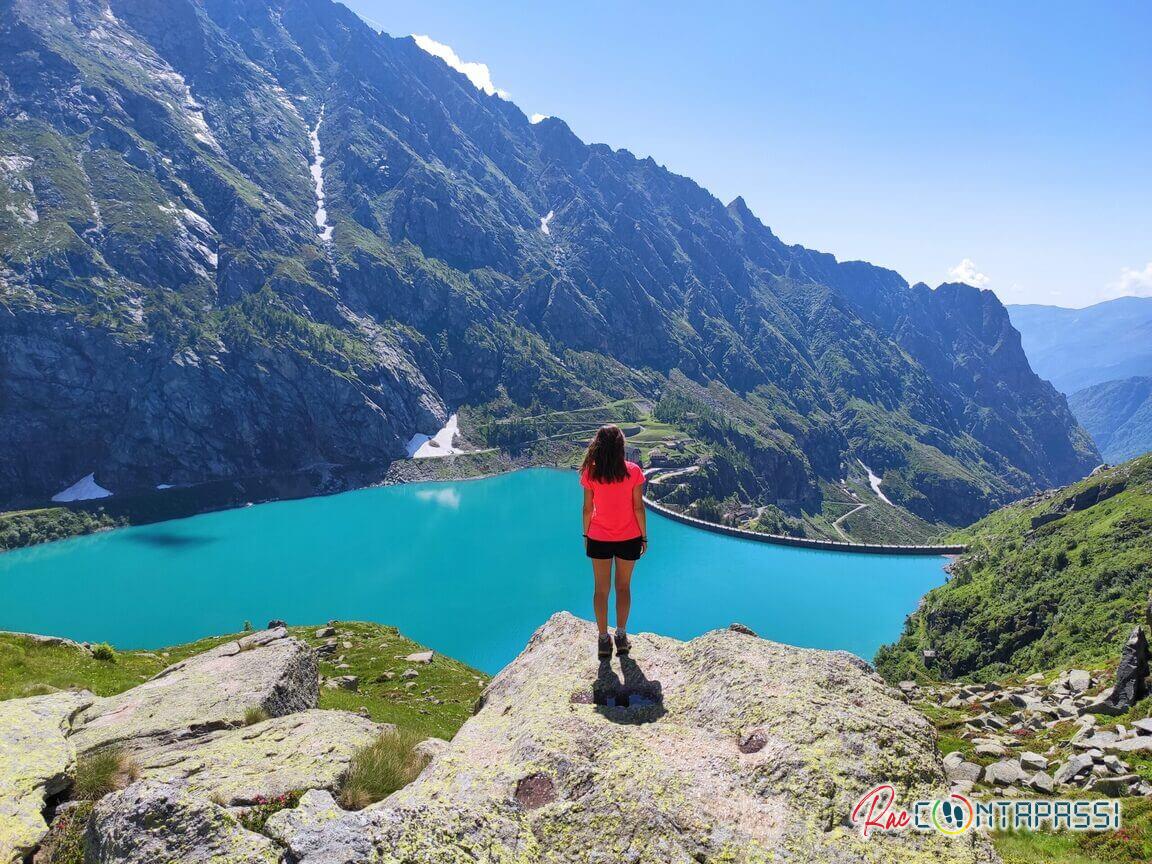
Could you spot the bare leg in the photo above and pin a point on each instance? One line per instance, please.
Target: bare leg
(602, 572)
(623, 592)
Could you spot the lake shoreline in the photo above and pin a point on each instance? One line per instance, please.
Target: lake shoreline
(428, 558)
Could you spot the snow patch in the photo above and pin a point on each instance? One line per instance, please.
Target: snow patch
(317, 169)
(538, 118)
(875, 482)
(84, 489)
(163, 486)
(544, 220)
(422, 446)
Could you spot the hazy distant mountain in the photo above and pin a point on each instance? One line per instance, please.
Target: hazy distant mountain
(1076, 348)
(1118, 416)
(182, 300)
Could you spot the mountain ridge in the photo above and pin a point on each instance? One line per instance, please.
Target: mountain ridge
(1077, 348)
(174, 315)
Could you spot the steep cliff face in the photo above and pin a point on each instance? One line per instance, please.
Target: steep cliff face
(247, 236)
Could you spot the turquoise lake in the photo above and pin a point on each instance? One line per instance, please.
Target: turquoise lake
(468, 568)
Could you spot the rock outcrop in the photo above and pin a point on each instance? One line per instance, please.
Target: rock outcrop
(308, 750)
(727, 748)
(1132, 673)
(159, 822)
(724, 748)
(267, 671)
(35, 760)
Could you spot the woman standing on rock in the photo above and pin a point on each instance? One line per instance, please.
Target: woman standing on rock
(614, 529)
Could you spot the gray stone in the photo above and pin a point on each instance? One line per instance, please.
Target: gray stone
(951, 760)
(1139, 744)
(1004, 773)
(1143, 726)
(1075, 766)
(268, 671)
(325, 632)
(964, 772)
(344, 682)
(308, 750)
(157, 822)
(1079, 680)
(409, 673)
(421, 657)
(1102, 704)
(664, 778)
(35, 761)
(1041, 781)
(1033, 761)
(990, 750)
(316, 831)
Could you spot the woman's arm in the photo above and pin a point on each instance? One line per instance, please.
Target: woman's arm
(587, 510)
(641, 514)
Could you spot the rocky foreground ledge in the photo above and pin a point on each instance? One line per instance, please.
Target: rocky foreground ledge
(725, 748)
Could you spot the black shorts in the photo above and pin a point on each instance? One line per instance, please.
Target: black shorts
(629, 550)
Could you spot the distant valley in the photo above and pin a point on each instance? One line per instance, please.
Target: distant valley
(1101, 357)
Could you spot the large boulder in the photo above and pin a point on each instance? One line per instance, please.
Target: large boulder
(308, 750)
(1132, 673)
(35, 761)
(160, 822)
(724, 748)
(269, 671)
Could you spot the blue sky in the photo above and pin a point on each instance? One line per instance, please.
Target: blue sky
(1008, 142)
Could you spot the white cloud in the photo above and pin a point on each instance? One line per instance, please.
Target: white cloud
(1132, 283)
(967, 271)
(477, 73)
(536, 118)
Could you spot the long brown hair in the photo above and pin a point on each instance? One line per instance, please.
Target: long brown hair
(604, 460)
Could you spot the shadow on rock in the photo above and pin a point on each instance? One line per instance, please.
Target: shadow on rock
(627, 698)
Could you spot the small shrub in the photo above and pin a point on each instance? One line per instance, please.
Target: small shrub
(387, 764)
(102, 772)
(255, 715)
(65, 841)
(256, 816)
(247, 626)
(104, 652)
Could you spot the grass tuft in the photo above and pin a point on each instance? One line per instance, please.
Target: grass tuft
(379, 769)
(255, 715)
(102, 772)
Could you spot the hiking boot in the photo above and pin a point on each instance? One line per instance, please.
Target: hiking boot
(604, 647)
(623, 643)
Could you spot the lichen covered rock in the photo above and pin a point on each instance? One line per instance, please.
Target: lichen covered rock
(268, 670)
(159, 822)
(308, 750)
(724, 748)
(35, 759)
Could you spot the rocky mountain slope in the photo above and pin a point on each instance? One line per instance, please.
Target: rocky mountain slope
(1077, 348)
(725, 748)
(1057, 579)
(1118, 416)
(249, 237)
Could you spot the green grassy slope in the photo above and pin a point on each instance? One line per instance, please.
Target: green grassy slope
(1056, 579)
(440, 700)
